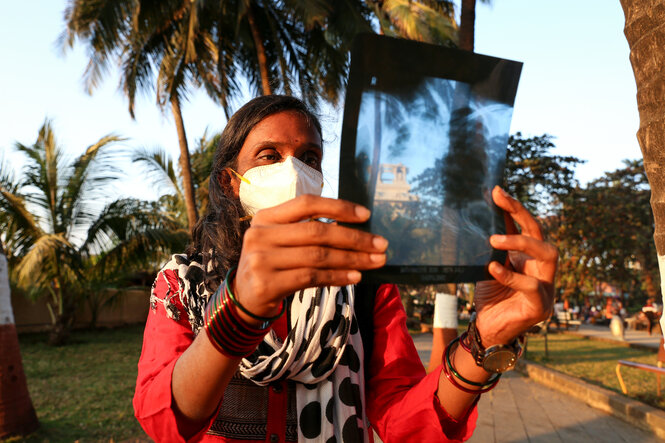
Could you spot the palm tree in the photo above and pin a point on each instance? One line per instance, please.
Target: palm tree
(61, 245)
(17, 415)
(643, 30)
(170, 38)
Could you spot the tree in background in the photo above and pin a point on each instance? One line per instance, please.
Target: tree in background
(603, 234)
(646, 38)
(147, 38)
(276, 46)
(535, 177)
(582, 221)
(60, 244)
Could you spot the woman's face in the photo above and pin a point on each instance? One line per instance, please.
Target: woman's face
(286, 133)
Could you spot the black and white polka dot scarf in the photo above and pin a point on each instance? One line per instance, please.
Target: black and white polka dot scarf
(321, 352)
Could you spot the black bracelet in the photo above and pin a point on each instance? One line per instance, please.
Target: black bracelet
(243, 309)
(485, 385)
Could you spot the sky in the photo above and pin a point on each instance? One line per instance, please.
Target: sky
(576, 85)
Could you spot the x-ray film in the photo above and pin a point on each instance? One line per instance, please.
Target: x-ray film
(423, 143)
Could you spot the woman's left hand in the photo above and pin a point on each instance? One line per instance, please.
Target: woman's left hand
(523, 292)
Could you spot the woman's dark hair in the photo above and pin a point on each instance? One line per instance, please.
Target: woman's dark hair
(217, 236)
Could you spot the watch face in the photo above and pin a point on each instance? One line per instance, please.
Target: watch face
(499, 360)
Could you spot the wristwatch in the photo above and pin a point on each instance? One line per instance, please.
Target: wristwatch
(497, 358)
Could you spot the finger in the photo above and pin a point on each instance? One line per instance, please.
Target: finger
(316, 257)
(511, 227)
(310, 206)
(312, 234)
(518, 213)
(537, 249)
(513, 280)
(290, 281)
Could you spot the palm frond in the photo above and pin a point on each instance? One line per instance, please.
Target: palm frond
(86, 181)
(13, 205)
(148, 246)
(38, 264)
(159, 168)
(19, 227)
(104, 25)
(42, 176)
(120, 220)
(130, 232)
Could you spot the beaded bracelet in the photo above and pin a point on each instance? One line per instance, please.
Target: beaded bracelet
(265, 320)
(227, 330)
(488, 384)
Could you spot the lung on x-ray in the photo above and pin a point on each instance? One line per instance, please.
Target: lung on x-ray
(423, 143)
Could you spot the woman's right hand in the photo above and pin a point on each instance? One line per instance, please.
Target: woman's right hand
(285, 250)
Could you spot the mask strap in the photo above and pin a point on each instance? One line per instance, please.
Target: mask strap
(247, 217)
(239, 176)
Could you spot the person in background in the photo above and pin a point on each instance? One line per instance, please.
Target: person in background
(650, 311)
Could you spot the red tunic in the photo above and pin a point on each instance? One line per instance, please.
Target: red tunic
(401, 399)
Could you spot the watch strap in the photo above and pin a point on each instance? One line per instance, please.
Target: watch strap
(475, 343)
(480, 354)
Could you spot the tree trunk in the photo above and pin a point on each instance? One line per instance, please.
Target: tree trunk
(260, 52)
(467, 25)
(59, 332)
(645, 33)
(17, 415)
(185, 165)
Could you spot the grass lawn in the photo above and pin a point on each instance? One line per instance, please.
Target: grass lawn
(595, 362)
(83, 391)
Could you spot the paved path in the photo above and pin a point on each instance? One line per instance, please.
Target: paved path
(639, 338)
(521, 410)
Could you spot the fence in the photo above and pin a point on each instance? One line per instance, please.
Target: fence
(132, 307)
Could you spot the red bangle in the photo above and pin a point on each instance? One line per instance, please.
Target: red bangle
(227, 331)
(239, 324)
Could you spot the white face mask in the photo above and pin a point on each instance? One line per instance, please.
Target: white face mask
(270, 185)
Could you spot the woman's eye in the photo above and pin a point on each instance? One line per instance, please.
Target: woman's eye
(312, 160)
(268, 155)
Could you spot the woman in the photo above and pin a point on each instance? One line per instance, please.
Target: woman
(259, 252)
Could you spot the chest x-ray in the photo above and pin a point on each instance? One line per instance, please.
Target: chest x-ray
(423, 144)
